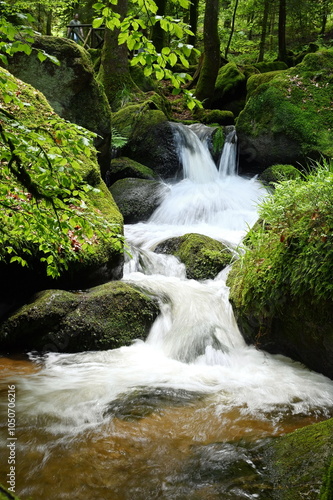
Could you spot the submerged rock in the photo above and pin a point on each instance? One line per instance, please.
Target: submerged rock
(137, 199)
(203, 256)
(105, 317)
(288, 117)
(300, 464)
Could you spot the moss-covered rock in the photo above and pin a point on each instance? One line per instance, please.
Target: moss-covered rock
(70, 88)
(278, 173)
(7, 495)
(230, 86)
(289, 119)
(104, 260)
(150, 137)
(281, 289)
(104, 317)
(256, 80)
(299, 465)
(266, 67)
(218, 117)
(137, 199)
(123, 167)
(203, 256)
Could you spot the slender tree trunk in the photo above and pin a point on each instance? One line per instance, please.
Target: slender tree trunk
(211, 63)
(324, 17)
(232, 30)
(192, 39)
(263, 31)
(282, 56)
(158, 35)
(114, 72)
(49, 22)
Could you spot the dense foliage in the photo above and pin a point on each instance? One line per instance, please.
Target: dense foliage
(43, 187)
(290, 251)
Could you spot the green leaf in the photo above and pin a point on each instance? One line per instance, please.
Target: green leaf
(97, 22)
(172, 59)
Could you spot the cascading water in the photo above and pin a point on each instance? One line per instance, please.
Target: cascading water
(157, 419)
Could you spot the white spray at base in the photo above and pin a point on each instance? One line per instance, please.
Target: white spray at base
(194, 344)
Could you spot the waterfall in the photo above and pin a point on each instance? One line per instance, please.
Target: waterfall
(228, 160)
(157, 407)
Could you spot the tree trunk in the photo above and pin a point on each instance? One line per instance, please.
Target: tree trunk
(192, 39)
(325, 11)
(282, 56)
(114, 72)
(263, 31)
(231, 30)
(158, 34)
(211, 62)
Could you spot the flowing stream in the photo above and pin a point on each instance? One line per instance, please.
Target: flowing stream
(182, 415)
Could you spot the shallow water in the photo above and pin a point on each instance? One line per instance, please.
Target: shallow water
(182, 415)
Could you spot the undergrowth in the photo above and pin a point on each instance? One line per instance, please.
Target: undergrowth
(289, 252)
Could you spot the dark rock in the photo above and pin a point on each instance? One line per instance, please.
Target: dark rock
(137, 199)
(104, 317)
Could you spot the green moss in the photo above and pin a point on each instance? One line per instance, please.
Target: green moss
(104, 317)
(256, 80)
(219, 117)
(281, 288)
(229, 84)
(295, 104)
(218, 138)
(278, 173)
(299, 463)
(326, 492)
(136, 119)
(123, 167)
(203, 256)
(265, 67)
(6, 495)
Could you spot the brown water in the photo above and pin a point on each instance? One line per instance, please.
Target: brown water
(149, 445)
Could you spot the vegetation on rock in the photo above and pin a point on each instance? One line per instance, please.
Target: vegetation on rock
(203, 256)
(105, 317)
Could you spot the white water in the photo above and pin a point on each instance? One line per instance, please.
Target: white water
(153, 419)
(195, 344)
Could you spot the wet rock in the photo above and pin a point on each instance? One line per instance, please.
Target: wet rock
(137, 199)
(203, 256)
(105, 317)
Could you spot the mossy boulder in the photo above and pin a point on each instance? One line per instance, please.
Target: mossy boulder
(299, 465)
(105, 317)
(70, 88)
(7, 495)
(289, 119)
(278, 173)
(104, 260)
(124, 167)
(256, 80)
(217, 116)
(281, 288)
(203, 256)
(150, 137)
(230, 86)
(266, 67)
(137, 199)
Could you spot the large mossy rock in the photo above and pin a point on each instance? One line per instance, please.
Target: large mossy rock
(281, 288)
(123, 167)
(105, 317)
(150, 138)
(300, 465)
(230, 87)
(70, 88)
(203, 256)
(104, 261)
(137, 199)
(288, 118)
